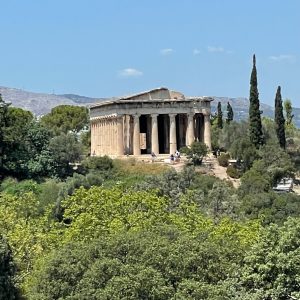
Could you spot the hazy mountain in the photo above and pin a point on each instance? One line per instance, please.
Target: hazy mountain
(41, 103)
(240, 108)
(81, 99)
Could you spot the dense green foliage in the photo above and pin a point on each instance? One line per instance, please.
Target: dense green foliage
(28, 148)
(195, 152)
(66, 118)
(219, 116)
(255, 126)
(161, 264)
(3, 125)
(288, 111)
(271, 269)
(7, 271)
(279, 119)
(229, 116)
(223, 159)
(81, 227)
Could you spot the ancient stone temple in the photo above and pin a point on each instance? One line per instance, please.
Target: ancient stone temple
(159, 121)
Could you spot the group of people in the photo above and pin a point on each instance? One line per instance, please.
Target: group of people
(216, 153)
(173, 157)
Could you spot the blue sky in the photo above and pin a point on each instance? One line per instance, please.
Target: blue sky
(111, 48)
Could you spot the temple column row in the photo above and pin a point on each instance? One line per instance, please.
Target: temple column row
(109, 137)
(190, 135)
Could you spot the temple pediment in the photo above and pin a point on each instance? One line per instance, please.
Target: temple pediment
(161, 93)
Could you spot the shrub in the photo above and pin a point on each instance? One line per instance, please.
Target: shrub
(195, 152)
(233, 172)
(102, 163)
(223, 159)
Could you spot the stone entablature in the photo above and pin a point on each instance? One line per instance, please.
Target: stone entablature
(158, 121)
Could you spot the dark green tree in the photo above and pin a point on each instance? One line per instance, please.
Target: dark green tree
(279, 119)
(7, 271)
(195, 152)
(3, 125)
(271, 269)
(66, 150)
(161, 265)
(288, 111)
(28, 154)
(66, 118)
(229, 113)
(220, 116)
(255, 126)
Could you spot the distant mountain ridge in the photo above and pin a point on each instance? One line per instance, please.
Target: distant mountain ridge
(42, 103)
(240, 107)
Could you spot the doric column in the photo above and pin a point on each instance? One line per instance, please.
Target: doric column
(207, 138)
(173, 144)
(120, 138)
(104, 136)
(127, 134)
(154, 134)
(97, 137)
(92, 137)
(136, 135)
(190, 134)
(100, 137)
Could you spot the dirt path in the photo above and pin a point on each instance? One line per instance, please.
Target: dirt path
(212, 163)
(210, 166)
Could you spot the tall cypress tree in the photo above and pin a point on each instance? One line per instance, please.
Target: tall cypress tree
(279, 119)
(255, 127)
(229, 113)
(220, 116)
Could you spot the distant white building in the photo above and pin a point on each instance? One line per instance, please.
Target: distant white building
(285, 185)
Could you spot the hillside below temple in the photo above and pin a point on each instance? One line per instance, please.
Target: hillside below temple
(159, 121)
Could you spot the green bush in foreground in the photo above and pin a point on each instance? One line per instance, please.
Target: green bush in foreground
(223, 159)
(233, 172)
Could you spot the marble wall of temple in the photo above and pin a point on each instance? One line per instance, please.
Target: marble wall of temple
(159, 121)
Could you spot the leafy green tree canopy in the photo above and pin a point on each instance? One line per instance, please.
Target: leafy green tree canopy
(65, 149)
(288, 111)
(7, 272)
(159, 264)
(66, 118)
(195, 152)
(272, 266)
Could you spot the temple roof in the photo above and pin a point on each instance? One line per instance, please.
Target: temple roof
(160, 94)
(157, 93)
